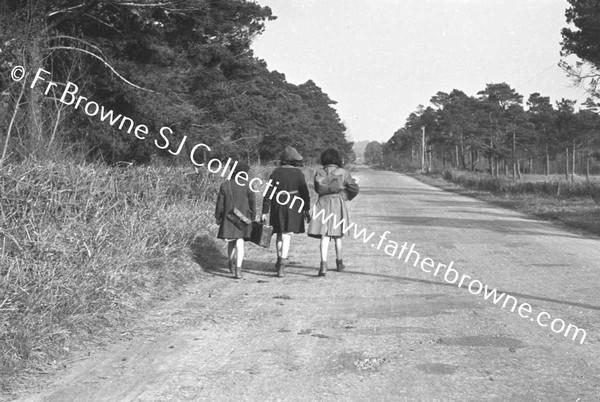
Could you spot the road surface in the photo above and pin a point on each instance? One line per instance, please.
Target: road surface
(382, 330)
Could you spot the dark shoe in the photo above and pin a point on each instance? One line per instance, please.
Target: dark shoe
(323, 269)
(238, 272)
(231, 266)
(280, 267)
(340, 265)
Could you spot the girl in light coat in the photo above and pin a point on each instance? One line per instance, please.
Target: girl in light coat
(335, 186)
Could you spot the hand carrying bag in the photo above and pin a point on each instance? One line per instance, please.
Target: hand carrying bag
(239, 220)
(261, 234)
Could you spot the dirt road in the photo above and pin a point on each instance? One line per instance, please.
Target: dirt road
(382, 330)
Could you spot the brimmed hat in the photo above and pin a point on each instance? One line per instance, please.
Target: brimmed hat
(290, 154)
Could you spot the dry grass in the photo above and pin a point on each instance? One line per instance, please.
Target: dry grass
(550, 198)
(553, 186)
(82, 245)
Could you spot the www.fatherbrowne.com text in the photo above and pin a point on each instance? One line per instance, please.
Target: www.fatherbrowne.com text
(408, 253)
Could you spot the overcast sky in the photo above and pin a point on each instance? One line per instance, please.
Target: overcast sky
(380, 59)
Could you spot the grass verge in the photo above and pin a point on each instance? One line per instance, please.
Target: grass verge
(81, 247)
(575, 205)
(84, 247)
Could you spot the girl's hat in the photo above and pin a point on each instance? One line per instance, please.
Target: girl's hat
(241, 167)
(290, 154)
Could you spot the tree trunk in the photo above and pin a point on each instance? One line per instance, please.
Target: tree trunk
(530, 169)
(587, 166)
(547, 161)
(457, 156)
(514, 154)
(573, 164)
(423, 150)
(12, 121)
(474, 159)
(34, 110)
(491, 156)
(463, 165)
(497, 167)
(54, 130)
(566, 163)
(518, 170)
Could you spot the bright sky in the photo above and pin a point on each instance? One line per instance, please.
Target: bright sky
(380, 59)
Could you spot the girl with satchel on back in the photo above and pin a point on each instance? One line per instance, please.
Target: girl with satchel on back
(236, 206)
(335, 186)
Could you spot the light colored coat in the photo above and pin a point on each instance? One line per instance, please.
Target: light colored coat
(335, 186)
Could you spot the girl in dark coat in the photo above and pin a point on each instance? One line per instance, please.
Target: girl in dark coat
(335, 186)
(287, 219)
(232, 195)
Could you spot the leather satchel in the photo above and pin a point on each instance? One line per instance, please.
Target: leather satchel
(261, 234)
(235, 216)
(239, 220)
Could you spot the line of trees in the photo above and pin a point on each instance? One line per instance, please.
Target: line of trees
(463, 131)
(500, 129)
(186, 64)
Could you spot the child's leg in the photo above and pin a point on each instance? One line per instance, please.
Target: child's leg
(338, 248)
(239, 246)
(286, 238)
(324, 247)
(279, 244)
(283, 248)
(231, 249)
(338, 252)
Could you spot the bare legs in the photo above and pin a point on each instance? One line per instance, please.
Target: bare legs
(283, 244)
(235, 249)
(325, 247)
(239, 245)
(283, 248)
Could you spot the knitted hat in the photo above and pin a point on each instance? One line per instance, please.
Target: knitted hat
(290, 154)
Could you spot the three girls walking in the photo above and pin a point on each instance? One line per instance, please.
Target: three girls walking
(334, 186)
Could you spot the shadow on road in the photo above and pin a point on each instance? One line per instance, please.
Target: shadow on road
(516, 294)
(207, 254)
(378, 191)
(504, 226)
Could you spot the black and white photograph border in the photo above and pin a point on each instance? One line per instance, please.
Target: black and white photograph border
(280, 200)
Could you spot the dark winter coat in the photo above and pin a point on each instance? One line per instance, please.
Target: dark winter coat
(241, 197)
(335, 186)
(286, 218)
